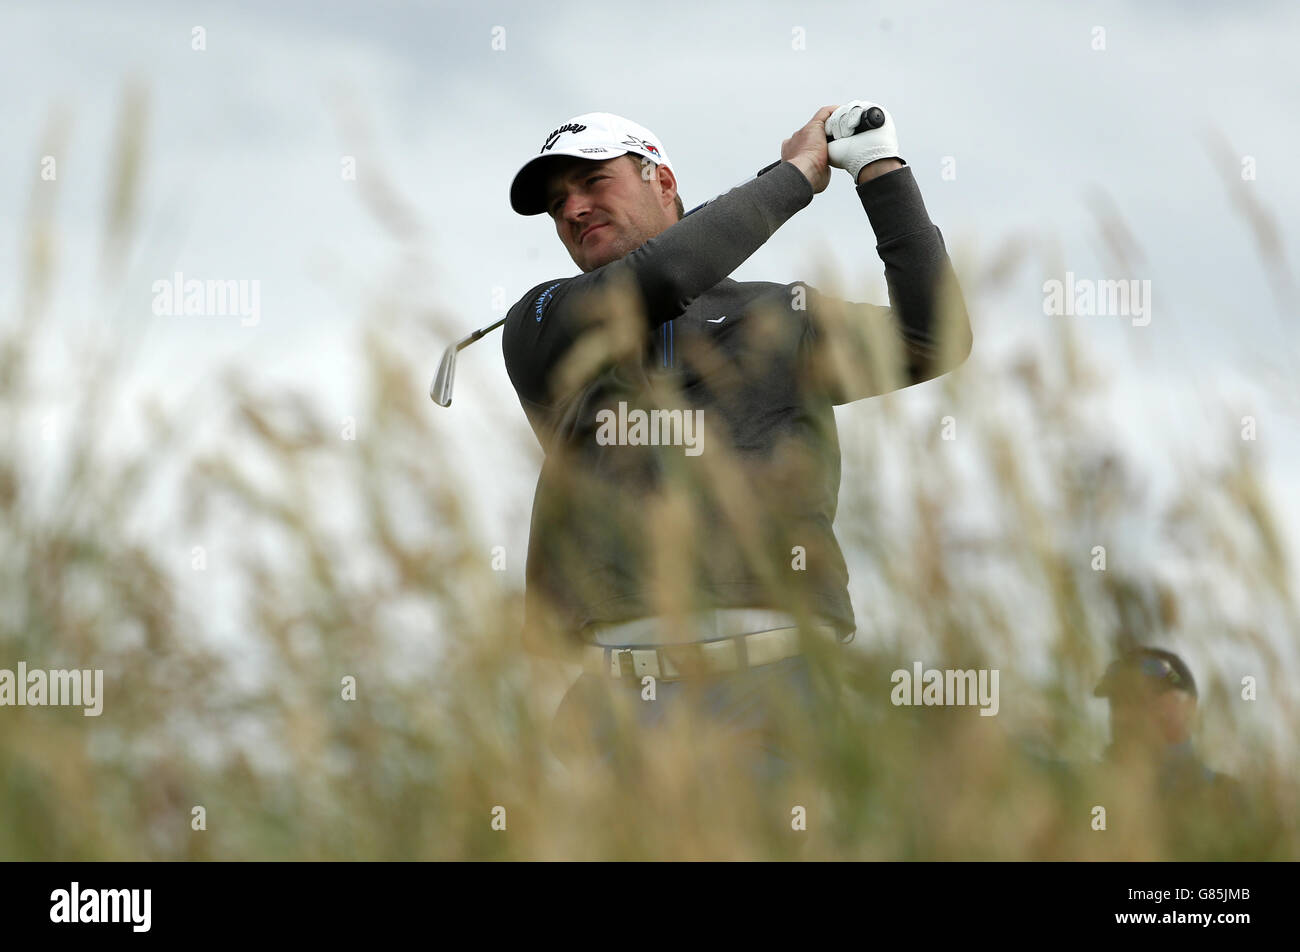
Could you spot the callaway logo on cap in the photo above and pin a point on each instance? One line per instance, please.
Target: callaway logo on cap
(596, 136)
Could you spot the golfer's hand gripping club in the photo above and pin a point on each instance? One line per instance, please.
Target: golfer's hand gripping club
(860, 132)
(818, 146)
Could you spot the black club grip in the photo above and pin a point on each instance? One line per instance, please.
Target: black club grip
(872, 118)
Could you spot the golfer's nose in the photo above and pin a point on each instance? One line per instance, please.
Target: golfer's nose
(576, 207)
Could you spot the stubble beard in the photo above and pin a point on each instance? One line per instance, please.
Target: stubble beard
(612, 248)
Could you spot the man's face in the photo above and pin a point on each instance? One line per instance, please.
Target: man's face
(603, 210)
(1150, 717)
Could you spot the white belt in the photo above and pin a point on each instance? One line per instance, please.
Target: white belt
(699, 626)
(673, 662)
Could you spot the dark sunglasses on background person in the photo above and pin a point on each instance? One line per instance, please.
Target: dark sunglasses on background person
(1158, 669)
(1165, 670)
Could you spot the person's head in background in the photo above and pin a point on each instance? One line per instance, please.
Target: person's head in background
(1152, 699)
(606, 184)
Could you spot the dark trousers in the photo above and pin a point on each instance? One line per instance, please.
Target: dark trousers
(762, 712)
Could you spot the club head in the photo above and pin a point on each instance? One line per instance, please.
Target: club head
(440, 390)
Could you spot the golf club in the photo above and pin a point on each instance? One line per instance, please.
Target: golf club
(440, 389)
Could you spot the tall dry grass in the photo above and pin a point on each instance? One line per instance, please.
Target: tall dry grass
(285, 768)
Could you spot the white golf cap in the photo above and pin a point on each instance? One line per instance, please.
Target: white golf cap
(594, 135)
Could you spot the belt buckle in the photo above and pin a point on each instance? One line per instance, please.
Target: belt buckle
(623, 664)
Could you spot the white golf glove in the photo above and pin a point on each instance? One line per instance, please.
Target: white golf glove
(851, 152)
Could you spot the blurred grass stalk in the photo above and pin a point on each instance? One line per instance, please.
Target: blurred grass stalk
(413, 768)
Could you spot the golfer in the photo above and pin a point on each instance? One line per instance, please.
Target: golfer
(653, 366)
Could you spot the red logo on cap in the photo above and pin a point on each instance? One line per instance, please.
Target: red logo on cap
(636, 143)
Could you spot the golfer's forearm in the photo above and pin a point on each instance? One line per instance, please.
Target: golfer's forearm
(917, 269)
(693, 255)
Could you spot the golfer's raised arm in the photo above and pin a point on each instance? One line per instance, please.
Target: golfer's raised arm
(862, 350)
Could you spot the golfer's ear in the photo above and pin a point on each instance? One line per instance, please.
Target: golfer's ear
(667, 182)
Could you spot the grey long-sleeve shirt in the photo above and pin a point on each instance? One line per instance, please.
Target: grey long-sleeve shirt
(756, 366)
